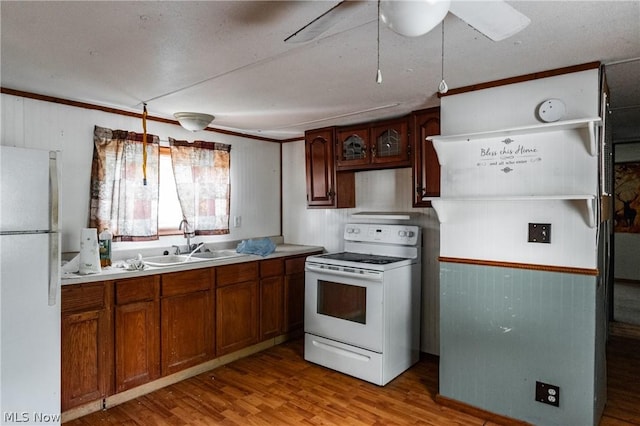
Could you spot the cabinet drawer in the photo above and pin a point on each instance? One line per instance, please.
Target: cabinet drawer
(295, 265)
(82, 297)
(186, 282)
(240, 272)
(136, 290)
(271, 268)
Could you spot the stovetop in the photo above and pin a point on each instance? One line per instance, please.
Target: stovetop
(371, 259)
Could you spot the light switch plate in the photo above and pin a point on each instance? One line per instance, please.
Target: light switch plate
(540, 233)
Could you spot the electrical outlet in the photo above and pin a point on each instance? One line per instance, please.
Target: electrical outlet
(548, 394)
(540, 233)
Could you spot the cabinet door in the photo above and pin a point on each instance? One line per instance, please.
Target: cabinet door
(320, 168)
(426, 169)
(137, 332)
(352, 148)
(87, 349)
(187, 319)
(326, 188)
(271, 298)
(294, 301)
(390, 144)
(236, 316)
(294, 294)
(82, 379)
(271, 306)
(187, 331)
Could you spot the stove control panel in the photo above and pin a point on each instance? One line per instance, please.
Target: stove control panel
(380, 233)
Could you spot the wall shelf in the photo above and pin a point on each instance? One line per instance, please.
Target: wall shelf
(442, 205)
(590, 124)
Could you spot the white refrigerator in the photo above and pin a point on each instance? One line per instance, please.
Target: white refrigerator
(29, 287)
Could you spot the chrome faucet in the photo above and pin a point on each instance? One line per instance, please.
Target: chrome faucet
(188, 234)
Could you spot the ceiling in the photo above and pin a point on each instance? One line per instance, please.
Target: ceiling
(228, 58)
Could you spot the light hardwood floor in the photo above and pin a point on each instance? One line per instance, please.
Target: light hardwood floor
(277, 387)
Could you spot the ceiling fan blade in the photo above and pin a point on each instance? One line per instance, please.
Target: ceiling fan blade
(495, 19)
(316, 27)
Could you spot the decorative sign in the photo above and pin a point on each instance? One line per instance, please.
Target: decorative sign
(508, 154)
(627, 197)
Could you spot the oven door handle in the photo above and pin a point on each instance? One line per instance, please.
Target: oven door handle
(367, 275)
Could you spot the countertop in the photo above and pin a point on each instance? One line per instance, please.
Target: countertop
(114, 272)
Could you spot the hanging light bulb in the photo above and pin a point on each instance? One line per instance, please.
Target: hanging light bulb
(379, 73)
(442, 87)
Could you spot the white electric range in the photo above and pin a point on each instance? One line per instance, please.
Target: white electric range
(362, 306)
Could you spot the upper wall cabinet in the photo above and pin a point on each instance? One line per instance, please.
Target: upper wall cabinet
(326, 188)
(353, 148)
(390, 143)
(383, 144)
(426, 169)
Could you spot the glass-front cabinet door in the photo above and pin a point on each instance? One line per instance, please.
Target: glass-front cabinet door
(390, 143)
(352, 148)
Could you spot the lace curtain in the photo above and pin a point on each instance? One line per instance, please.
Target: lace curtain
(119, 199)
(201, 170)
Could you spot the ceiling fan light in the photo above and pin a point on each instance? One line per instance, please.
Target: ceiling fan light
(193, 121)
(413, 18)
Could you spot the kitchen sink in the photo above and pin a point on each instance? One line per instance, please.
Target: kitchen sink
(177, 259)
(170, 260)
(218, 254)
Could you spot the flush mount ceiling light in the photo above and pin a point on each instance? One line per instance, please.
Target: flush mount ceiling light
(193, 121)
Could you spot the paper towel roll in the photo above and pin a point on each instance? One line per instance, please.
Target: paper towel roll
(89, 252)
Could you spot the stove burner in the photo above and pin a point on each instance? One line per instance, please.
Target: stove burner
(362, 258)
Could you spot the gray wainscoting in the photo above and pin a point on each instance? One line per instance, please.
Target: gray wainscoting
(503, 329)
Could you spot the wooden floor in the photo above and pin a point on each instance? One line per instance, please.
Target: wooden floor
(277, 387)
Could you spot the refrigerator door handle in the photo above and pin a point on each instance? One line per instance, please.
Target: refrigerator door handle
(54, 237)
(53, 190)
(54, 267)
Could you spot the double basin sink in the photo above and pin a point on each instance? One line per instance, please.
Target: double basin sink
(178, 259)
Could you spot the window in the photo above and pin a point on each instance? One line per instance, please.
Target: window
(169, 211)
(186, 180)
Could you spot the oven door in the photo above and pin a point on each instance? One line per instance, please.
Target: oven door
(345, 306)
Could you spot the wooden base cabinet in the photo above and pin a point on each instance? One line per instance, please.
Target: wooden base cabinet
(237, 322)
(271, 298)
(294, 293)
(187, 319)
(87, 343)
(120, 334)
(137, 331)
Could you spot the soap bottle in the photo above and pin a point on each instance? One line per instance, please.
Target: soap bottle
(105, 238)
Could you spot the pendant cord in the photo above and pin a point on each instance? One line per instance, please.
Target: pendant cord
(379, 73)
(442, 52)
(442, 87)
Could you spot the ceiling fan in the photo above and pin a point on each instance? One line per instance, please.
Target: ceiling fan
(495, 19)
